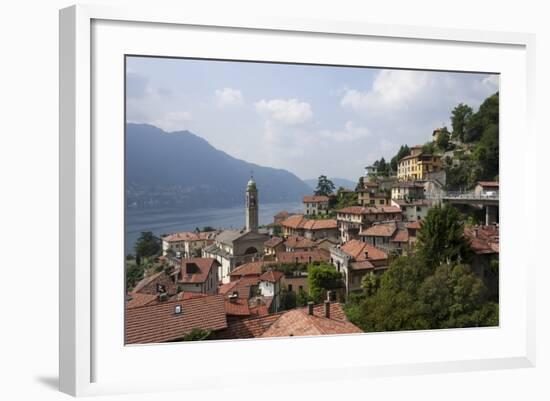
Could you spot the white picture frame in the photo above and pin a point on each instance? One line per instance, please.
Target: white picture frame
(83, 349)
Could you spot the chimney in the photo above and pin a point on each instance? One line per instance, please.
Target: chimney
(366, 254)
(258, 302)
(327, 309)
(310, 308)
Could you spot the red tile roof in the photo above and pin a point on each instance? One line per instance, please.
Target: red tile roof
(242, 287)
(298, 221)
(483, 239)
(356, 249)
(415, 225)
(401, 236)
(250, 269)
(380, 230)
(147, 280)
(299, 323)
(362, 265)
(315, 199)
(298, 242)
(237, 307)
(296, 324)
(492, 184)
(272, 276)
(317, 255)
(273, 242)
(159, 323)
(196, 270)
(136, 299)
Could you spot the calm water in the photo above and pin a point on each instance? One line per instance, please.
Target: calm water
(164, 221)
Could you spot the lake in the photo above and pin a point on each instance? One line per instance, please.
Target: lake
(169, 220)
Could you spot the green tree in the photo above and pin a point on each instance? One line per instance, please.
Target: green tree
(428, 147)
(441, 237)
(302, 298)
(486, 116)
(344, 198)
(460, 117)
(360, 183)
(288, 299)
(147, 244)
(324, 186)
(401, 153)
(322, 278)
(370, 283)
(443, 140)
(134, 273)
(197, 335)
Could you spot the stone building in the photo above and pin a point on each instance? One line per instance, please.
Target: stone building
(232, 248)
(355, 259)
(314, 205)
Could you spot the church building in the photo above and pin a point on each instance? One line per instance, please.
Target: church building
(233, 248)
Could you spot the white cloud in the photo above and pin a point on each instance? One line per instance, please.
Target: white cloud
(228, 98)
(392, 90)
(173, 121)
(288, 112)
(350, 132)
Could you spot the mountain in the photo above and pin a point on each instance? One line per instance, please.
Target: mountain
(181, 168)
(338, 182)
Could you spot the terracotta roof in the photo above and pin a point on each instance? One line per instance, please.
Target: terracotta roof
(362, 265)
(237, 307)
(249, 269)
(483, 239)
(380, 230)
(488, 183)
(299, 221)
(297, 242)
(317, 255)
(401, 236)
(272, 276)
(135, 300)
(298, 322)
(321, 224)
(356, 249)
(187, 295)
(195, 270)
(282, 214)
(147, 280)
(247, 328)
(273, 242)
(315, 198)
(242, 287)
(190, 236)
(415, 225)
(295, 323)
(159, 323)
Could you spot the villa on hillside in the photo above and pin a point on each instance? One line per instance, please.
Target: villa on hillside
(418, 165)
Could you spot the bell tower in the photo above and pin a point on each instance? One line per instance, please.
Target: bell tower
(251, 206)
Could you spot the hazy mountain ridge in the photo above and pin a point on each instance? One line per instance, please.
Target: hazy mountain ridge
(180, 168)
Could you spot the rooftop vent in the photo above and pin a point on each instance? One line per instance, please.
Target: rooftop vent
(310, 308)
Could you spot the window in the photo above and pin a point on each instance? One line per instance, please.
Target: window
(289, 287)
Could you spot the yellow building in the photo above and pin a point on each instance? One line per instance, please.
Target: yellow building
(417, 165)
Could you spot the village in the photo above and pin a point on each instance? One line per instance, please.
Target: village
(294, 276)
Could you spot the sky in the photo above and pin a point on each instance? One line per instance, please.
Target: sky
(310, 120)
